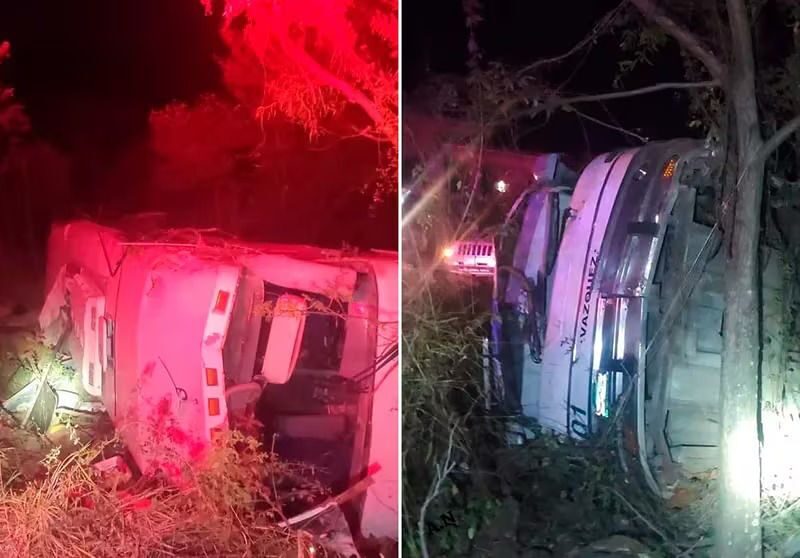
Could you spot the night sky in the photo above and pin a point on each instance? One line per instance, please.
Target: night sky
(89, 71)
(518, 32)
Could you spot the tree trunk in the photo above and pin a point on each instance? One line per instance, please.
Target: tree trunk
(738, 532)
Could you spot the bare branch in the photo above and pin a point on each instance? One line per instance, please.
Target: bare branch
(595, 97)
(475, 182)
(608, 125)
(640, 91)
(688, 40)
(443, 470)
(593, 34)
(647, 522)
(777, 139)
(327, 78)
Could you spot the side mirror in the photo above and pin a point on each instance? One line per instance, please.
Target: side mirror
(285, 336)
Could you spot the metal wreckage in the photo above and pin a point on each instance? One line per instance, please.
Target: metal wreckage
(181, 332)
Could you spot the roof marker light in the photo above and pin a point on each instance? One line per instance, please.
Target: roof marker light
(222, 302)
(212, 378)
(669, 168)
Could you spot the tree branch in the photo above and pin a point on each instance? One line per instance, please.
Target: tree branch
(475, 182)
(593, 34)
(608, 125)
(443, 470)
(775, 141)
(635, 92)
(560, 102)
(688, 40)
(329, 79)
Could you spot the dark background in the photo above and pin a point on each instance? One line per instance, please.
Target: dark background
(89, 72)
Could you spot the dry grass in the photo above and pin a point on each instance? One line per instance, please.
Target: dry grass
(231, 508)
(57, 505)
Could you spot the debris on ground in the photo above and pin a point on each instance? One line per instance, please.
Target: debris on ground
(562, 498)
(21, 452)
(67, 487)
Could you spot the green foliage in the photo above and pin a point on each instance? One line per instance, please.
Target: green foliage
(466, 514)
(441, 387)
(641, 45)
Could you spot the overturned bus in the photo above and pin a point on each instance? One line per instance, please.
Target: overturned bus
(179, 333)
(588, 291)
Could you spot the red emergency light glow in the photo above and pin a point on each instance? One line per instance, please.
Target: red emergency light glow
(211, 377)
(213, 407)
(222, 302)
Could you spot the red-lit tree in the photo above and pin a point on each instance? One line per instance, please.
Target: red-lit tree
(13, 121)
(327, 65)
(33, 177)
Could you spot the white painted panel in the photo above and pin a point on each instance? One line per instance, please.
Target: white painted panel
(565, 389)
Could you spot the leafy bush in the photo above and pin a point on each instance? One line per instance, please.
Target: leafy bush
(442, 387)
